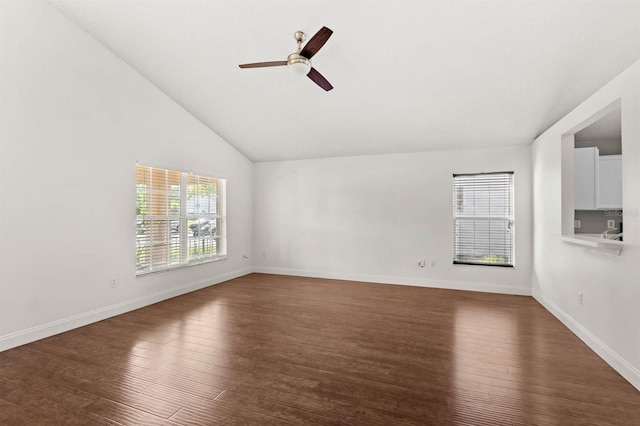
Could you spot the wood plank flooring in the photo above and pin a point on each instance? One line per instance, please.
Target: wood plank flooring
(275, 350)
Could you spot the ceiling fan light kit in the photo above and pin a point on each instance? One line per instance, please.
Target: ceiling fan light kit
(300, 62)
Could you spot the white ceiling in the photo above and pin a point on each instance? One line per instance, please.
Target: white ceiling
(408, 75)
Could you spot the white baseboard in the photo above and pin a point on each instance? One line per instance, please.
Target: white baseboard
(55, 327)
(626, 370)
(385, 279)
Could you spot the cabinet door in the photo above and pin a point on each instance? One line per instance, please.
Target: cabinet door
(610, 182)
(585, 179)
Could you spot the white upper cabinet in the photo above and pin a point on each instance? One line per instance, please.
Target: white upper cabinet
(597, 180)
(610, 182)
(585, 180)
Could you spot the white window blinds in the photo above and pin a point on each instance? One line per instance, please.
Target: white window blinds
(180, 219)
(483, 219)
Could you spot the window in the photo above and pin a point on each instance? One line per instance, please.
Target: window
(180, 219)
(483, 219)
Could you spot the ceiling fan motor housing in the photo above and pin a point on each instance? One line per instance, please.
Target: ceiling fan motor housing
(298, 64)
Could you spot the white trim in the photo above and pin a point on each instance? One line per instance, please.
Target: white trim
(518, 290)
(22, 337)
(622, 366)
(144, 273)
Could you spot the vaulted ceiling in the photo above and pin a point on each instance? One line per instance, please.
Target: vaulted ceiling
(409, 76)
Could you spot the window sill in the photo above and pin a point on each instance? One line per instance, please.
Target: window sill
(186, 265)
(499, 265)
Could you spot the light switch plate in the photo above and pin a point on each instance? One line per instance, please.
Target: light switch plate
(611, 224)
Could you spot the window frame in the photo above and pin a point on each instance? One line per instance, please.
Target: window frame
(160, 247)
(489, 218)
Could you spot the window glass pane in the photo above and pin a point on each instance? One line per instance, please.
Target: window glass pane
(179, 219)
(483, 219)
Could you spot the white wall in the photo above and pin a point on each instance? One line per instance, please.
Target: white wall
(609, 320)
(371, 218)
(75, 119)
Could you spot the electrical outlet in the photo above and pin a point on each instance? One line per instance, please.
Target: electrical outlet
(114, 283)
(433, 263)
(611, 224)
(422, 263)
(577, 224)
(581, 298)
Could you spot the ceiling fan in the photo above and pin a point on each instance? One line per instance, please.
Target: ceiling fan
(300, 61)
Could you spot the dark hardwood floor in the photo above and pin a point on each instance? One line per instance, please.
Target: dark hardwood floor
(267, 349)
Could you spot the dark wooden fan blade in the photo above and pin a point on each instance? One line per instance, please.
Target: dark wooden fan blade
(264, 64)
(319, 79)
(316, 42)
